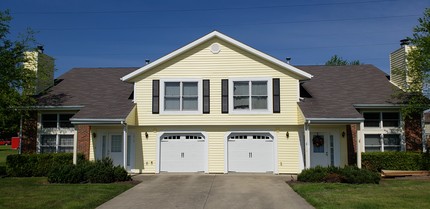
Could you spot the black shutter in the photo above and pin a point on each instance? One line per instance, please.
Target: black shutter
(224, 96)
(276, 96)
(206, 100)
(155, 96)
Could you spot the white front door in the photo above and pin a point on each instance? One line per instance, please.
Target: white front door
(324, 149)
(116, 149)
(250, 153)
(182, 153)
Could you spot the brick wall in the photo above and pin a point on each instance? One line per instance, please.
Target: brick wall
(413, 133)
(84, 132)
(351, 137)
(29, 133)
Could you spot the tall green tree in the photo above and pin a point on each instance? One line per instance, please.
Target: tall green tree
(16, 82)
(418, 69)
(337, 61)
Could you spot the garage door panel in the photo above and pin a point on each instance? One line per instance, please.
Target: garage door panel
(250, 153)
(182, 154)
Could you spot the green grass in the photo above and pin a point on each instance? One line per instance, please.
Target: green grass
(390, 193)
(4, 152)
(36, 192)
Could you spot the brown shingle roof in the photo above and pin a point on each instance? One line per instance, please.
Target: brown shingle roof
(335, 89)
(99, 90)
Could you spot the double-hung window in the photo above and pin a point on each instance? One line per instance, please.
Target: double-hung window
(251, 95)
(181, 96)
(382, 142)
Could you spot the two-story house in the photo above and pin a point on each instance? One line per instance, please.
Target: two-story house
(217, 105)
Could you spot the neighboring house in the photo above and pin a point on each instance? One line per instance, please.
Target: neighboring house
(400, 77)
(217, 105)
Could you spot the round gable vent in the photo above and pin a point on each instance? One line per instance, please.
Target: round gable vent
(215, 48)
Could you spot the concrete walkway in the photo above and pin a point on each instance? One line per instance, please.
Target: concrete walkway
(206, 191)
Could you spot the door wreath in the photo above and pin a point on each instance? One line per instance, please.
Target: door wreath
(318, 141)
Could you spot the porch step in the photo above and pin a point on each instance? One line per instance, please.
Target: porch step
(397, 173)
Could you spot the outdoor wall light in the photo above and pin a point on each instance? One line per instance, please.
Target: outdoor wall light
(287, 135)
(146, 135)
(343, 134)
(94, 135)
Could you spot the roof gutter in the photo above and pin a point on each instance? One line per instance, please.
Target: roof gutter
(72, 107)
(333, 120)
(100, 121)
(391, 106)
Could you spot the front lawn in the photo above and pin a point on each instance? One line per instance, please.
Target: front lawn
(36, 192)
(390, 193)
(4, 152)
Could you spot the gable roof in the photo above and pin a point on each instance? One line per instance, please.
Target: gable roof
(337, 91)
(97, 93)
(225, 38)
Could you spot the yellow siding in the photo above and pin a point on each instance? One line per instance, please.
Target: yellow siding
(131, 118)
(288, 150)
(398, 67)
(300, 116)
(201, 63)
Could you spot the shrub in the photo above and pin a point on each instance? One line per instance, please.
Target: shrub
(354, 175)
(100, 171)
(376, 161)
(3, 171)
(331, 174)
(26, 165)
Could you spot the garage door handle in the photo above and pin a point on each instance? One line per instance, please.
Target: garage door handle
(182, 155)
(250, 155)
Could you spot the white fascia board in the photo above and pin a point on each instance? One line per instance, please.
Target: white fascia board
(77, 107)
(391, 106)
(96, 121)
(333, 120)
(213, 34)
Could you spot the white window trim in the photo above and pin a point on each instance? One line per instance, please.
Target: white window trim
(381, 141)
(381, 130)
(269, 109)
(58, 131)
(181, 112)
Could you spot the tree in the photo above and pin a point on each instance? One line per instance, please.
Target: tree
(418, 69)
(337, 61)
(16, 82)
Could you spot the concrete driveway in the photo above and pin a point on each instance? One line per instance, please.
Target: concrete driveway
(205, 191)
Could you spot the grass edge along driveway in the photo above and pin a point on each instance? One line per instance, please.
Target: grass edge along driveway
(36, 192)
(390, 193)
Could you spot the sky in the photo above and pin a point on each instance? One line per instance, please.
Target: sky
(112, 33)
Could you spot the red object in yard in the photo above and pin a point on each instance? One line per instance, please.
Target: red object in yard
(15, 142)
(4, 142)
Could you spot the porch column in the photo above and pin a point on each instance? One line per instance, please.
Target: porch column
(75, 146)
(307, 146)
(124, 135)
(360, 138)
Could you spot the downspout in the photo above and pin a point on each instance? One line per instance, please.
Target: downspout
(307, 145)
(124, 135)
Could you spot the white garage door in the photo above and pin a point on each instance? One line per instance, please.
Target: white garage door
(250, 153)
(182, 153)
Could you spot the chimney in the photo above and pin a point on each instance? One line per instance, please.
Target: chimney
(147, 62)
(288, 60)
(40, 49)
(404, 42)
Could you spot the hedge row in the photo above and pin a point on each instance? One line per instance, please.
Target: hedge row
(100, 171)
(27, 165)
(376, 161)
(348, 174)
